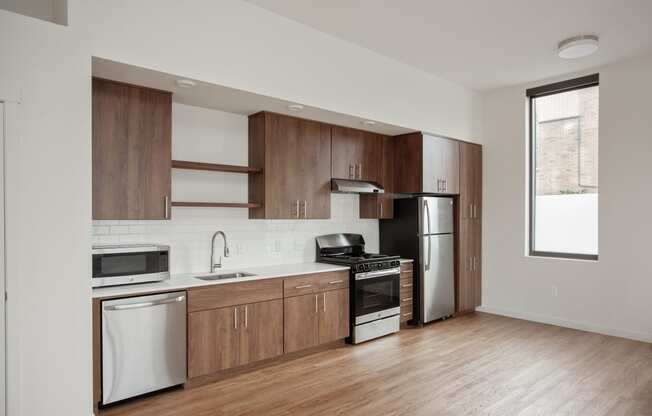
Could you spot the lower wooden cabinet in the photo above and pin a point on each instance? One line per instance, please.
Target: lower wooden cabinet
(316, 318)
(469, 266)
(228, 337)
(407, 292)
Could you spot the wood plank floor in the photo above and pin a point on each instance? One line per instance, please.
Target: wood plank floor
(477, 364)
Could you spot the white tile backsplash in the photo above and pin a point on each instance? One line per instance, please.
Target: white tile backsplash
(251, 242)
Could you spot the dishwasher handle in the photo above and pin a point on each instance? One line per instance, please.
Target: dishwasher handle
(144, 304)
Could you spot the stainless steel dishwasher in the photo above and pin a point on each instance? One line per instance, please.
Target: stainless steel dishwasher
(143, 345)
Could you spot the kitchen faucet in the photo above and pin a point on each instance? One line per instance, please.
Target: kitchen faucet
(226, 251)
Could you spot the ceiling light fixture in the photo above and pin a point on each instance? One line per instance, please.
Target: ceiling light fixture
(369, 123)
(577, 46)
(186, 83)
(295, 107)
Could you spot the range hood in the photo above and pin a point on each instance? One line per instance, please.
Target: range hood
(355, 187)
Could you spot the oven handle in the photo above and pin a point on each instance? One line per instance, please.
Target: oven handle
(378, 273)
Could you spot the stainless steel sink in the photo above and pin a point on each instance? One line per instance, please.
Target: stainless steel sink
(220, 276)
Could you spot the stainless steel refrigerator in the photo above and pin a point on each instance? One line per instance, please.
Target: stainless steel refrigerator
(423, 230)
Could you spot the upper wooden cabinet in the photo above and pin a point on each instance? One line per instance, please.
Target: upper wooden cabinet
(132, 152)
(356, 154)
(470, 205)
(381, 206)
(426, 164)
(295, 157)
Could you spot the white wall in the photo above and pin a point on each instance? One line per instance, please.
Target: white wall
(612, 295)
(48, 218)
(205, 135)
(239, 45)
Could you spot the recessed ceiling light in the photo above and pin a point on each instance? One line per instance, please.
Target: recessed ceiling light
(295, 107)
(186, 83)
(369, 123)
(577, 46)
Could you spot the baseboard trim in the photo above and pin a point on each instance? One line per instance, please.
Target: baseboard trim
(636, 336)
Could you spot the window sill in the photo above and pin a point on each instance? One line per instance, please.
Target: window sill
(561, 256)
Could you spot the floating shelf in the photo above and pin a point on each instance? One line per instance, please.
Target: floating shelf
(214, 167)
(216, 204)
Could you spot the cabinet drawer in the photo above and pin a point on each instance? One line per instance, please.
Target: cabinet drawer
(406, 296)
(314, 283)
(334, 280)
(229, 294)
(406, 267)
(407, 282)
(406, 313)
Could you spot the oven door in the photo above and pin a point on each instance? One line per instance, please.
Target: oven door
(376, 295)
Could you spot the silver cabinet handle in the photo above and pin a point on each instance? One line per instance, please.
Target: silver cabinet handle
(359, 170)
(143, 304)
(316, 304)
(246, 316)
(305, 209)
(407, 285)
(166, 207)
(351, 174)
(475, 210)
(406, 299)
(445, 185)
(381, 209)
(297, 207)
(324, 301)
(235, 317)
(470, 210)
(407, 314)
(475, 266)
(334, 282)
(303, 287)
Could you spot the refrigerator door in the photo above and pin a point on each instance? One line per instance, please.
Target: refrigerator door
(436, 215)
(437, 277)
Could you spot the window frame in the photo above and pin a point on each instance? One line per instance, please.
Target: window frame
(532, 93)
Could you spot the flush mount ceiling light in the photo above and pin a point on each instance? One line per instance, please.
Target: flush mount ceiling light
(369, 123)
(577, 46)
(295, 107)
(186, 83)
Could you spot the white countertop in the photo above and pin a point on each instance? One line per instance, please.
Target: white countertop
(188, 280)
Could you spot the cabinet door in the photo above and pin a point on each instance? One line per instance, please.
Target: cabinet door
(301, 322)
(261, 333)
(372, 158)
(333, 315)
(348, 151)
(470, 180)
(441, 162)
(213, 341)
(283, 165)
(469, 266)
(381, 206)
(315, 170)
(132, 156)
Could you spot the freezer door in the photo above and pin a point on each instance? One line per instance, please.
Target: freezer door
(437, 277)
(143, 345)
(436, 215)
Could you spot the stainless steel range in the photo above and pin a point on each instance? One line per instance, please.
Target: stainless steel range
(374, 286)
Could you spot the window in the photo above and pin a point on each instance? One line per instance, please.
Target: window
(564, 169)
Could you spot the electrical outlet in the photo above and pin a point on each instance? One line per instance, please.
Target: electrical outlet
(555, 291)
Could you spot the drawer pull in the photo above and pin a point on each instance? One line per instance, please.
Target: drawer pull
(303, 287)
(334, 282)
(407, 285)
(406, 300)
(407, 314)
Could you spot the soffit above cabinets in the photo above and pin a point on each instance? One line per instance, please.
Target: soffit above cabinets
(229, 100)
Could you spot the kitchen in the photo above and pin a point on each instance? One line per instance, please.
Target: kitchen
(186, 235)
(277, 207)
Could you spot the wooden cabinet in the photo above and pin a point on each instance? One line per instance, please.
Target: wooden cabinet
(356, 154)
(132, 142)
(295, 158)
(426, 164)
(301, 322)
(223, 338)
(381, 206)
(316, 310)
(470, 203)
(469, 236)
(407, 292)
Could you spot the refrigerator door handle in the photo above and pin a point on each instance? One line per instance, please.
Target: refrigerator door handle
(426, 208)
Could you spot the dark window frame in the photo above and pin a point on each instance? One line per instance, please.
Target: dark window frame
(532, 93)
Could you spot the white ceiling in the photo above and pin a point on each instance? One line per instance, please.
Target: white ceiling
(483, 44)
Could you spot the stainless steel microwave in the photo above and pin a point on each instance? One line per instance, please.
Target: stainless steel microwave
(123, 264)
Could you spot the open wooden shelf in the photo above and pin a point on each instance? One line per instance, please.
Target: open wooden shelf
(216, 204)
(214, 167)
